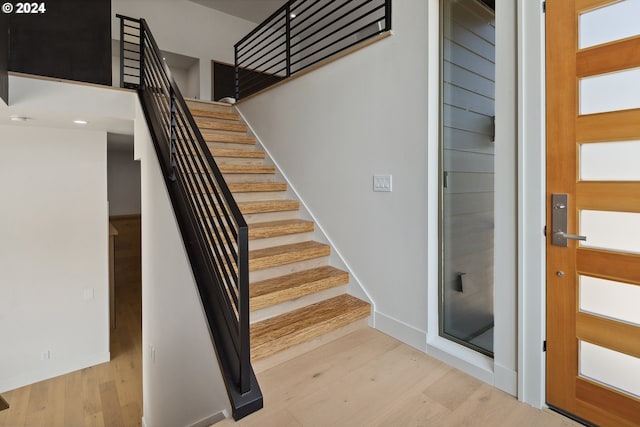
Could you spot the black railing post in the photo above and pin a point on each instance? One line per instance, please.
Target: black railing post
(172, 133)
(122, 52)
(236, 72)
(243, 309)
(288, 33)
(387, 15)
(141, 85)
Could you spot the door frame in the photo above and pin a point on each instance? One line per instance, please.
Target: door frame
(531, 202)
(502, 370)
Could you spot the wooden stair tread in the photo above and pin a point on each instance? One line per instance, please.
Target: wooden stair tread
(252, 169)
(263, 206)
(260, 259)
(285, 288)
(230, 152)
(250, 187)
(281, 332)
(213, 124)
(225, 137)
(262, 230)
(197, 112)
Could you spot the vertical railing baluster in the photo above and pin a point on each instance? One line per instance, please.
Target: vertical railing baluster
(173, 134)
(236, 72)
(288, 35)
(122, 53)
(142, 34)
(387, 15)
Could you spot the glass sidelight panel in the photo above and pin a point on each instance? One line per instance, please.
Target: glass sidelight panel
(625, 15)
(467, 149)
(611, 368)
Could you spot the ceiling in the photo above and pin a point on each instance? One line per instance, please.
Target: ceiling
(251, 10)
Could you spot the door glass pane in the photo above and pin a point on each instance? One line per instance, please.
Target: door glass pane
(618, 231)
(623, 16)
(468, 92)
(610, 299)
(616, 370)
(610, 92)
(610, 161)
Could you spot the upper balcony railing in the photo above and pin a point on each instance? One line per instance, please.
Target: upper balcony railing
(302, 33)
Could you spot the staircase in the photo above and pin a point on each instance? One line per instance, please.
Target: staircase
(295, 296)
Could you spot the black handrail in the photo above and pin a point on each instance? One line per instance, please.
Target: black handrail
(214, 231)
(302, 33)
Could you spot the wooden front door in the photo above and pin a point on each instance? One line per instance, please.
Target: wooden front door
(593, 157)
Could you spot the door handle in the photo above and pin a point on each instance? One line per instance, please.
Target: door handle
(559, 216)
(571, 236)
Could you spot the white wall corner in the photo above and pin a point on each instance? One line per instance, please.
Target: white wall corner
(409, 335)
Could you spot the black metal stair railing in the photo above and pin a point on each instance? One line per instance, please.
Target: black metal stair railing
(302, 33)
(214, 231)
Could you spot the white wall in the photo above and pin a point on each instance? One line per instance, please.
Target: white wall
(331, 130)
(181, 381)
(53, 252)
(377, 111)
(123, 174)
(187, 28)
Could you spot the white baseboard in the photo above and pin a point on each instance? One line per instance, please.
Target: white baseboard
(400, 331)
(505, 379)
(206, 422)
(32, 376)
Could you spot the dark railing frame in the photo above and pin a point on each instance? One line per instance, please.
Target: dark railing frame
(258, 77)
(173, 128)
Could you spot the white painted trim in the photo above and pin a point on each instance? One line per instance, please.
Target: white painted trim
(210, 420)
(468, 361)
(144, 423)
(498, 373)
(400, 330)
(46, 373)
(356, 289)
(505, 379)
(531, 203)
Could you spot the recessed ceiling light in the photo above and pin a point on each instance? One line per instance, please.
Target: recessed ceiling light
(19, 118)
(80, 122)
(292, 15)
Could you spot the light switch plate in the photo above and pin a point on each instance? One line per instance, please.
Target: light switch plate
(382, 183)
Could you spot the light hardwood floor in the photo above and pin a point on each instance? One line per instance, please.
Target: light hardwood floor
(109, 394)
(367, 378)
(364, 378)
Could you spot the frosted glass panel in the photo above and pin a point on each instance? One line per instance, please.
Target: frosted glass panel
(619, 231)
(609, 23)
(616, 370)
(610, 92)
(610, 161)
(610, 299)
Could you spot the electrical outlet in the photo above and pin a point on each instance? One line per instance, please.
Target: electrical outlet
(382, 183)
